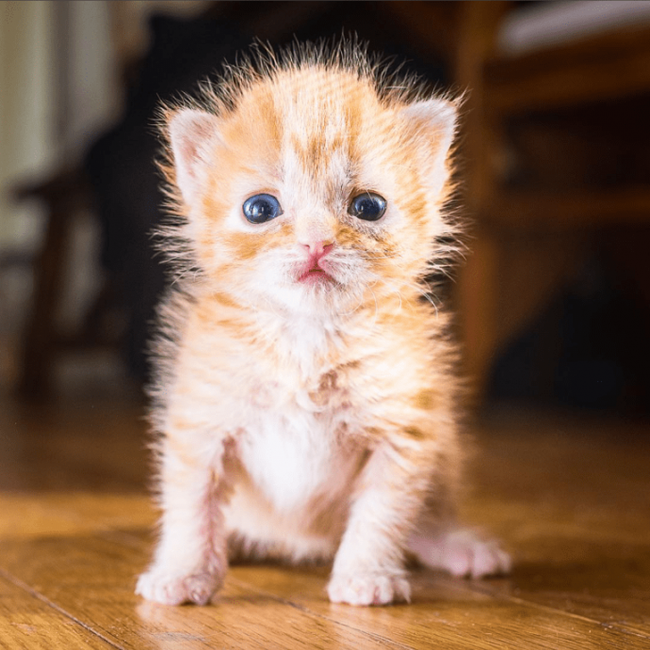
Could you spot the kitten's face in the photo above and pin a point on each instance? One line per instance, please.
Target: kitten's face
(311, 193)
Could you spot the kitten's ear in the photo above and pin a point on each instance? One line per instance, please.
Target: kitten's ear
(189, 131)
(433, 122)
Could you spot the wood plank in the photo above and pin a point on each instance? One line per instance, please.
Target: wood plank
(608, 598)
(587, 566)
(92, 579)
(28, 623)
(570, 500)
(73, 573)
(447, 613)
(585, 550)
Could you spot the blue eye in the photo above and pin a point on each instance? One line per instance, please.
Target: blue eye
(261, 208)
(368, 206)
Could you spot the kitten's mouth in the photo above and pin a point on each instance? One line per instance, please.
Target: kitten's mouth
(315, 275)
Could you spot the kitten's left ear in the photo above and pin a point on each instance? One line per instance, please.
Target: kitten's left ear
(189, 132)
(433, 123)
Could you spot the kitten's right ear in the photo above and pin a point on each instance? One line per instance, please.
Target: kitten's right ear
(433, 123)
(189, 132)
(434, 120)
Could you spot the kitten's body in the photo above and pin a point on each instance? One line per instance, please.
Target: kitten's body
(306, 399)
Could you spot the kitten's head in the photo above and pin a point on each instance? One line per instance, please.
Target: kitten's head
(313, 184)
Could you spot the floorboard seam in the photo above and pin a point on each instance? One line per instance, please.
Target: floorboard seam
(35, 594)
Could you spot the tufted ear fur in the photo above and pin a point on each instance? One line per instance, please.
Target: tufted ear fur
(433, 124)
(190, 130)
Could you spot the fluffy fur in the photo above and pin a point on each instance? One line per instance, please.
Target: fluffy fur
(306, 402)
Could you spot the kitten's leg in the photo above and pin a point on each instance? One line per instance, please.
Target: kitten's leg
(440, 543)
(190, 560)
(369, 565)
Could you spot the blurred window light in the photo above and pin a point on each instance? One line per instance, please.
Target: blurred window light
(545, 24)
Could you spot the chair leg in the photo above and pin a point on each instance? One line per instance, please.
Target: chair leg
(477, 302)
(38, 348)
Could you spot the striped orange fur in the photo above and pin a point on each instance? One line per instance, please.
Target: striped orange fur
(306, 402)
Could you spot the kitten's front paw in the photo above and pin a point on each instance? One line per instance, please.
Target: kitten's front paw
(172, 589)
(462, 553)
(368, 589)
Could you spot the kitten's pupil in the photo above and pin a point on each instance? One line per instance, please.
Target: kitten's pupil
(261, 208)
(368, 206)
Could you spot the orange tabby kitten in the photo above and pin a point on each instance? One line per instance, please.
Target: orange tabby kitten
(306, 403)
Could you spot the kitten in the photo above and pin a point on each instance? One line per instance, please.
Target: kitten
(306, 402)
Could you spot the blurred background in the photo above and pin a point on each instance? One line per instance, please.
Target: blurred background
(554, 297)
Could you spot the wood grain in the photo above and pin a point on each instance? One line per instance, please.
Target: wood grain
(568, 498)
(27, 622)
(455, 614)
(92, 579)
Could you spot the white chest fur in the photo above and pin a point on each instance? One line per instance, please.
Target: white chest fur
(290, 460)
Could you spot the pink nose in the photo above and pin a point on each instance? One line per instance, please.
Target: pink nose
(318, 249)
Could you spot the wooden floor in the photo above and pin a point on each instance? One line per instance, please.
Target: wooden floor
(571, 500)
